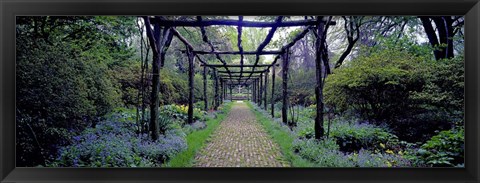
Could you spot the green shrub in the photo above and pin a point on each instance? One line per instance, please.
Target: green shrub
(377, 86)
(410, 94)
(445, 149)
(354, 136)
(180, 112)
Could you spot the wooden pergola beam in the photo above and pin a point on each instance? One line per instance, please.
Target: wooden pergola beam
(233, 76)
(242, 79)
(205, 39)
(229, 22)
(181, 38)
(271, 52)
(267, 40)
(297, 38)
(239, 72)
(221, 65)
(238, 83)
(239, 43)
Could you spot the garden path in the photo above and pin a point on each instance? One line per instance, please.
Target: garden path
(240, 141)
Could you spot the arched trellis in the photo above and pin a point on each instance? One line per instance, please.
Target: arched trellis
(160, 38)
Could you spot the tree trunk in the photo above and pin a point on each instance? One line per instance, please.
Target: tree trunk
(284, 86)
(432, 37)
(191, 74)
(319, 131)
(445, 35)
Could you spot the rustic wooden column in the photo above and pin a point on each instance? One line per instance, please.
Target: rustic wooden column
(159, 43)
(319, 131)
(224, 91)
(257, 84)
(253, 92)
(220, 97)
(191, 57)
(205, 100)
(231, 94)
(260, 91)
(272, 101)
(216, 90)
(284, 85)
(265, 91)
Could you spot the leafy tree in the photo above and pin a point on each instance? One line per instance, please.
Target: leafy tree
(64, 79)
(413, 96)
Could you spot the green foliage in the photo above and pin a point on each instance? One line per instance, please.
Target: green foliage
(354, 136)
(443, 150)
(180, 112)
(301, 89)
(444, 90)
(412, 95)
(64, 78)
(377, 86)
(173, 87)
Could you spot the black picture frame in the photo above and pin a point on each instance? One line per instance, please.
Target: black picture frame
(11, 8)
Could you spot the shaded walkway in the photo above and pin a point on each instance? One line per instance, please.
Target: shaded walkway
(240, 141)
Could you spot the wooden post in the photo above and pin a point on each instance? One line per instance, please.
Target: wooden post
(216, 90)
(231, 95)
(224, 91)
(191, 73)
(272, 101)
(256, 90)
(284, 86)
(155, 43)
(205, 100)
(248, 92)
(319, 131)
(260, 91)
(220, 97)
(265, 91)
(253, 91)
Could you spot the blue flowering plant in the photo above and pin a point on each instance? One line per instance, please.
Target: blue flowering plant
(115, 144)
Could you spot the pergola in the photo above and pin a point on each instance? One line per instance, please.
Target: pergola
(225, 77)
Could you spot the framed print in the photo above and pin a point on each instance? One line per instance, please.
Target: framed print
(189, 91)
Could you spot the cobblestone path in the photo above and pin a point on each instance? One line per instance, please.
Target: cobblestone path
(240, 141)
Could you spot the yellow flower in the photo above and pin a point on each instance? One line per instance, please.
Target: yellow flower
(389, 164)
(389, 151)
(382, 145)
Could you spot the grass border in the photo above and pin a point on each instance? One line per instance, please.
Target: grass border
(282, 137)
(196, 140)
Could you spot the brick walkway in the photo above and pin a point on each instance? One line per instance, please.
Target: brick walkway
(240, 141)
